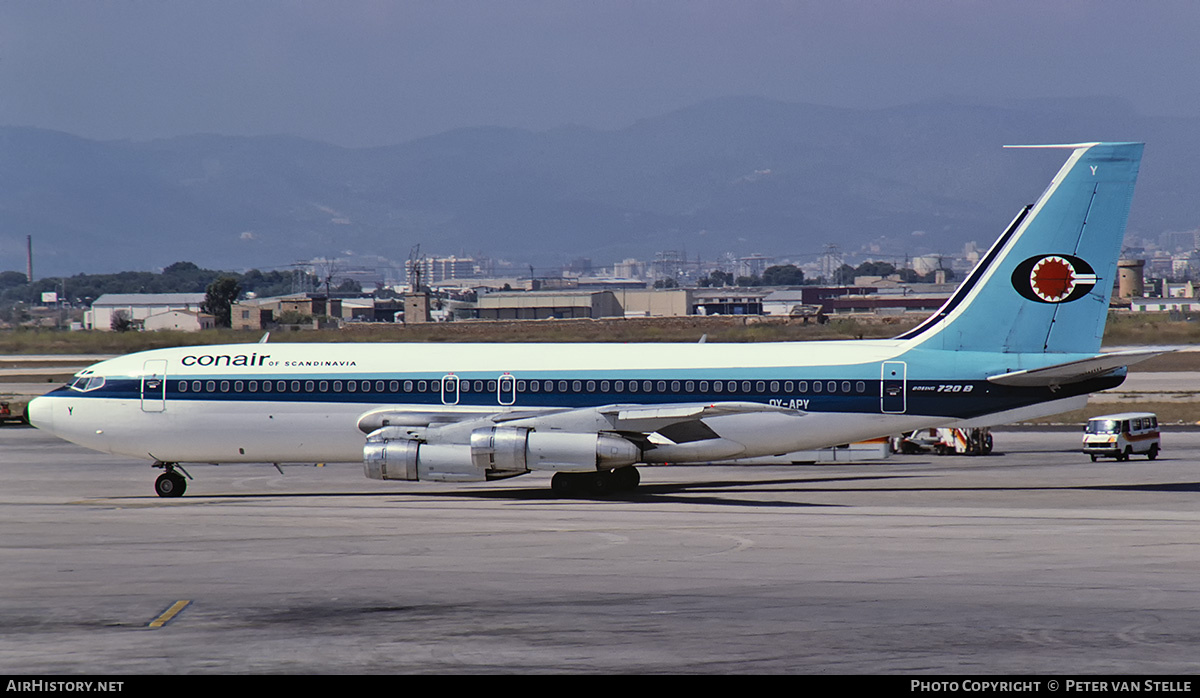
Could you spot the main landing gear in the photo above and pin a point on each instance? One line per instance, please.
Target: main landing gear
(170, 483)
(595, 484)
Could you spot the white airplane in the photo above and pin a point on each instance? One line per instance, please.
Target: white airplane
(1019, 338)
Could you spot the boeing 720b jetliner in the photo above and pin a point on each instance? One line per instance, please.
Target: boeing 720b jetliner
(1019, 338)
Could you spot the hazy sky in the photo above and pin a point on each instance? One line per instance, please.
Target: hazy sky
(369, 72)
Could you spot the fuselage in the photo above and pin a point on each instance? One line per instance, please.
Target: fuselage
(302, 402)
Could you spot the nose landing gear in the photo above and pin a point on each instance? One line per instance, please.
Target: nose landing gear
(170, 483)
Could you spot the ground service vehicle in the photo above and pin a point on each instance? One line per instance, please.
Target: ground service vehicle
(1122, 435)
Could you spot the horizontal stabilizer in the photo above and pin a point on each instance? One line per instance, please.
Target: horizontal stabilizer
(1073, 371)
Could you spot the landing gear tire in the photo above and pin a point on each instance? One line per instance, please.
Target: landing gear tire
(626, 479)
(563, 485)
(598, 484)
(170, 484)
(1093, 457)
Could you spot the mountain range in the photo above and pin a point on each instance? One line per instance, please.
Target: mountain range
(736, 175)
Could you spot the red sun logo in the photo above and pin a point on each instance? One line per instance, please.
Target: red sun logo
(1053, 279)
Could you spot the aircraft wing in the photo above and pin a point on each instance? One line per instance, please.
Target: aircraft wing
(1074, 371)
(669, 430)
(649, 418)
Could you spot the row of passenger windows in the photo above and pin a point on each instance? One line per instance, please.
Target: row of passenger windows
(522, 386)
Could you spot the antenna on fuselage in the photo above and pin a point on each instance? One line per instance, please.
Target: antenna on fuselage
(264, 339)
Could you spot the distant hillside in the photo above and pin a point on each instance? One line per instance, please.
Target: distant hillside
(737, 175)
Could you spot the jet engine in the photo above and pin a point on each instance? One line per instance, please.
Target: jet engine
(493, 452)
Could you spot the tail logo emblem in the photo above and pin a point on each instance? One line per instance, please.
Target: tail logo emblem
(1053, 278)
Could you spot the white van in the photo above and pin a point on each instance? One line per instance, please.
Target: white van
(1122, 435)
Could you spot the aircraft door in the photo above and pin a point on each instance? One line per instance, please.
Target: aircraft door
(506, 390)
(892, 387)
(154, 385)
(450, 389)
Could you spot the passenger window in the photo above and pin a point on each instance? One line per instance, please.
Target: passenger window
(704, 386)
(604, 386)
(253, 386)
(860, 387)
(774, 386)
(591, 386)
(210, 386)
(788, 386)
(237, 386)
(562, 386)
(802, 386)
(308, 386)
(661, 386)
(183, 386)
(295, 386)
(759, 386)
(224, 386)
(845, 386)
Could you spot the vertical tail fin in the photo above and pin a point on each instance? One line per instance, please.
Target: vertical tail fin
(1044, 286)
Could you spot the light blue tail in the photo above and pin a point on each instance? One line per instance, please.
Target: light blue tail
(1045, 284)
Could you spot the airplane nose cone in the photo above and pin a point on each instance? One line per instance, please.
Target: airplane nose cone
(40, 413)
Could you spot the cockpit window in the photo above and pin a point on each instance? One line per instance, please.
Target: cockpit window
(86, 383)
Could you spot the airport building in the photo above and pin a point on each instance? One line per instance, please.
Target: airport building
(136, 307)
(179, 321)
(541, 305)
